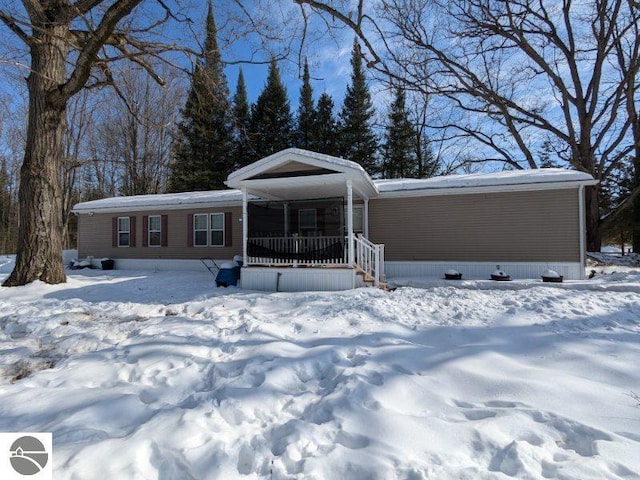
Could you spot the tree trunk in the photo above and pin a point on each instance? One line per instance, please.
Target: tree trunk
(40, 227)
(635, 234)
(592, 214)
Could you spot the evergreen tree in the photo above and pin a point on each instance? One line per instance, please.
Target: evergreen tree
(242, 118)
(324, 138)
(271, 121)
(306, 112)
(614, 191)
(358, 143)
(399, 152)
(428, 164)
(202, 152)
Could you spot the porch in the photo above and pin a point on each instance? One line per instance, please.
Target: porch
(301, 209)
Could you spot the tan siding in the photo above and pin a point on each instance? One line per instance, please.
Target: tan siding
(518, 226)
(94, 236)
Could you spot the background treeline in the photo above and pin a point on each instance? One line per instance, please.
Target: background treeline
(141, 138)
(145, 139)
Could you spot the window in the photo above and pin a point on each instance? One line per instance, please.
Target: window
(209, 230)
(155, 231)
(358, 218)
(217, 230)
(200, 229)
(307, 221)
(124, 231)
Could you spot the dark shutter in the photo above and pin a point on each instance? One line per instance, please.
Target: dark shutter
(145, 231)
(190, 230)
(114, 232)
(228, 234)
(164, 223)
(132, 228)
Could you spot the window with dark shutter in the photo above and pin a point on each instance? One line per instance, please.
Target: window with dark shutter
(228, 237)
(190, 230)
(154, 232)
(124, 232)
(164, 237)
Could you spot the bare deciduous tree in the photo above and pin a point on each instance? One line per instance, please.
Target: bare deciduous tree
(71, 45)
(521, 72)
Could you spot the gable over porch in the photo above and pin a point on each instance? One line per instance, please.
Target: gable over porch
(298, 209)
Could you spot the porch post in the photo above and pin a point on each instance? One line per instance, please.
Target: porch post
(286, 219)
(350, 221)
(245, 227)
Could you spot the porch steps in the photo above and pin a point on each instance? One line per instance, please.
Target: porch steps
(369, 280)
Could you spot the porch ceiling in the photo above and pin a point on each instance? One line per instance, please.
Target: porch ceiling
(301, 188)
(296, 174)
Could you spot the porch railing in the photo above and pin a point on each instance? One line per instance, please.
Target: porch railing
(296, 250)
(369, 257)
(320, 250)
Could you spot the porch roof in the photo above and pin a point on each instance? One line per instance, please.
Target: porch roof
(296, 174)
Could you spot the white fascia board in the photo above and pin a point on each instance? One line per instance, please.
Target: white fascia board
(156, 207)
(293, 155)
(521, 187)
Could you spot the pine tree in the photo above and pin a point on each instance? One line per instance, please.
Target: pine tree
(242, 118)
(271, 121)
(358, 143)
(614, 190)
(306, 112)
(324, 138)
(399, 152)
(202, 152)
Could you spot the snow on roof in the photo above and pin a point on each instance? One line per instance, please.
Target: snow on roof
(194, 199)
(162, 200)
(510, 177)
(296, 154)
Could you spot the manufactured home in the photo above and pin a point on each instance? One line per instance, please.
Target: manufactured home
(306, 221)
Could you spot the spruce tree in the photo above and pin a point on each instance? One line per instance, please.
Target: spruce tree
(271, 121)
(306, 112)
(358, 143)
(324, 137)
(242, 119)
(399, 152)
(202, 151)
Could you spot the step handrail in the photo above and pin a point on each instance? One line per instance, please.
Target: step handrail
(369, 257)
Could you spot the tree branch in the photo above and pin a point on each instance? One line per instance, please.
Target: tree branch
(95, 41)
(12, 23)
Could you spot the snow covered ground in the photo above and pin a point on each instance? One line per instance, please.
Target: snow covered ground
(160, 375)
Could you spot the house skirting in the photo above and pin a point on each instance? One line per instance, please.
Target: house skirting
(481, 270)
(301, 279)
(155, 265)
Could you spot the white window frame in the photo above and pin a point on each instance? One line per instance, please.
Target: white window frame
(356, 228)
(211, 229)
(127, 231)
(315, 219)
(205, 229)
(158, 231)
